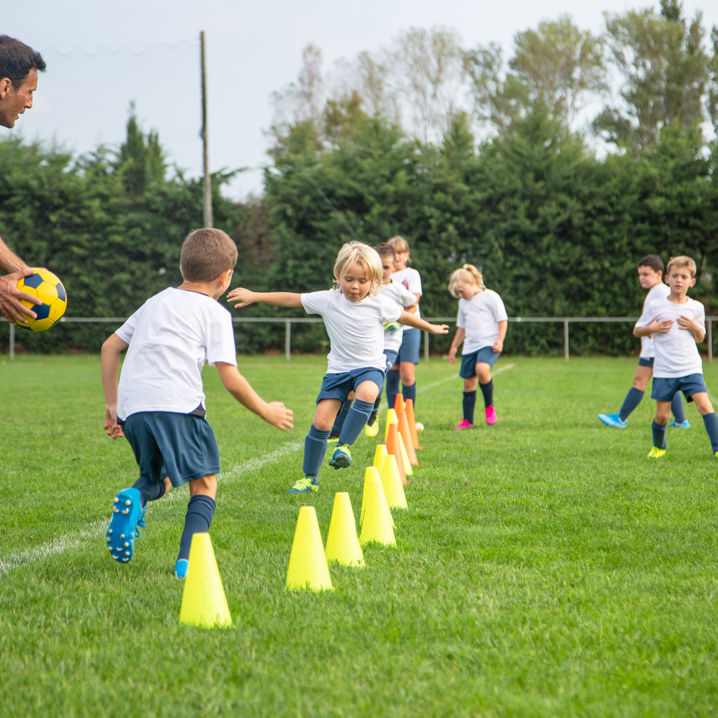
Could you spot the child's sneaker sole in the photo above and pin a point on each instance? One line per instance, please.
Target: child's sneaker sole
(126, 515)
(341, 458)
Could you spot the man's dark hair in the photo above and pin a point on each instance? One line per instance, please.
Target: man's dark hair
(17, 59)
(653, 261)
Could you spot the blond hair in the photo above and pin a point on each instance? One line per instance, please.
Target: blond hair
(399, 244)
(467, 274)
(682, 261)
(206, 253)
(363, 255)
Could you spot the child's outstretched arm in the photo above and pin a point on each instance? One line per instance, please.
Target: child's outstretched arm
(418, 323)
(456, 343)
(245, 297)
(111, 351)
(273, 412)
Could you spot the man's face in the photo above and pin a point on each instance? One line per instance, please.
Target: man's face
(15, 100)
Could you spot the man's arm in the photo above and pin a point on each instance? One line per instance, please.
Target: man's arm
(10, 305)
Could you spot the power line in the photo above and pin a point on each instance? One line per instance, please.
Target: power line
(105, 49)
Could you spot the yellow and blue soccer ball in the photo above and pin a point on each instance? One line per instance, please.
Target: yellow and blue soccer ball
(49, 289)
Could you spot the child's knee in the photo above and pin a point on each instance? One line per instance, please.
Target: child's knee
(205, 486)
(367, 391)
(483, 372)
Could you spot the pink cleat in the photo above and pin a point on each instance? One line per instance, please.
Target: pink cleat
(463, 424)
(490, 415)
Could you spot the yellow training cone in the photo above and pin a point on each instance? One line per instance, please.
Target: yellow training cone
(307, 562)
(370, 473)
(391, 481)
(404, 456)
(203, 601)
(379, 456)
(377, 526)
(391, 418)
(342, 542)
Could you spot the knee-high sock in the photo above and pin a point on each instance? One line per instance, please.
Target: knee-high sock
(488, 391)
(200, 511)
(356, 421)
(632, 400)
(659, 435)
(374, 411)
(150, 491)
(677, 408)
(711, 423)
(341, 417)
(315, 446)
(392, 386)
(409, 392)
(468, 403)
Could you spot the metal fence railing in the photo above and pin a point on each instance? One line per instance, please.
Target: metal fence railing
(289, 321)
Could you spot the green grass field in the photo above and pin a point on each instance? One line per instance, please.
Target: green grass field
(544, 567)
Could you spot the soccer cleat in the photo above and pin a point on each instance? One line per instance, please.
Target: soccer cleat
(463, 424)
(333, 438)
(490, 415)
(371, 430)
(341, 458)
(656, 453)
(680, 424)
(613, 420)
(181, 568)
(127, 514)
(305, 485)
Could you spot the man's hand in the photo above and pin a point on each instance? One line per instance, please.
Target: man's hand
(11, 305)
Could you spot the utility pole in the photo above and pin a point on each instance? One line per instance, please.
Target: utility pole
(207, 201)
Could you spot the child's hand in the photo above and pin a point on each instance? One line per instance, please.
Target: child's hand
(278, 415)
(112, 428)
(439, 328)
(687, 323)
(242, 296)
(498, 347)
(661, 326)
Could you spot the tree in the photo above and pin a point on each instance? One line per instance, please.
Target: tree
(664, 70)
(140, 159)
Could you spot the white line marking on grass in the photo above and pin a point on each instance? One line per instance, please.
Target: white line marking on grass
(73, 540)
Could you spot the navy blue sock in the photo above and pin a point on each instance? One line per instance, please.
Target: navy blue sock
(468, 403)
(375, 410)
(659, 435)
(488, 391)
(356, 421)
(341, 417)
(315, 446)
(677, 409)
(711, 424)
(632, 400)
(392, 386)
(409, 392)
(149, 490)
(200, 511)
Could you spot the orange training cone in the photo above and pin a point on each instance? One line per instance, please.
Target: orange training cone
(391, 418)
(393, 490)
(307, 561)
(399, 403)
(411, 419)
(406, 436)
(392, 447)
(342, 541)
(203, 601)
(377, 526)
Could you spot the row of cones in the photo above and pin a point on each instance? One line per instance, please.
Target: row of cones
(384, 483)
(204, 602)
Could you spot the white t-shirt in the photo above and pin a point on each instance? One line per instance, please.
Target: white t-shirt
(411, 279)
(676, 353)
(170, 338)
(480, 317)
(355, 329)
(657, 290)
(398, 294)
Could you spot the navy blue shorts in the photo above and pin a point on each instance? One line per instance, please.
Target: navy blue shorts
(391, 355)
(410, 345)
(645, 361)
(338, 386)
(181, 446)
(665, 389)
(485, 355)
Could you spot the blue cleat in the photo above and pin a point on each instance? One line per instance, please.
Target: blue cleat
(127, 515)
(305, 485)
(679, 424)
(181, 568)
(613, 420)
(341, 458)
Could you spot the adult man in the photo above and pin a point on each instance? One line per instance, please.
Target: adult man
(19, 65)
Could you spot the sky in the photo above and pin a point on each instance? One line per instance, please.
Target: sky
(102, 55)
